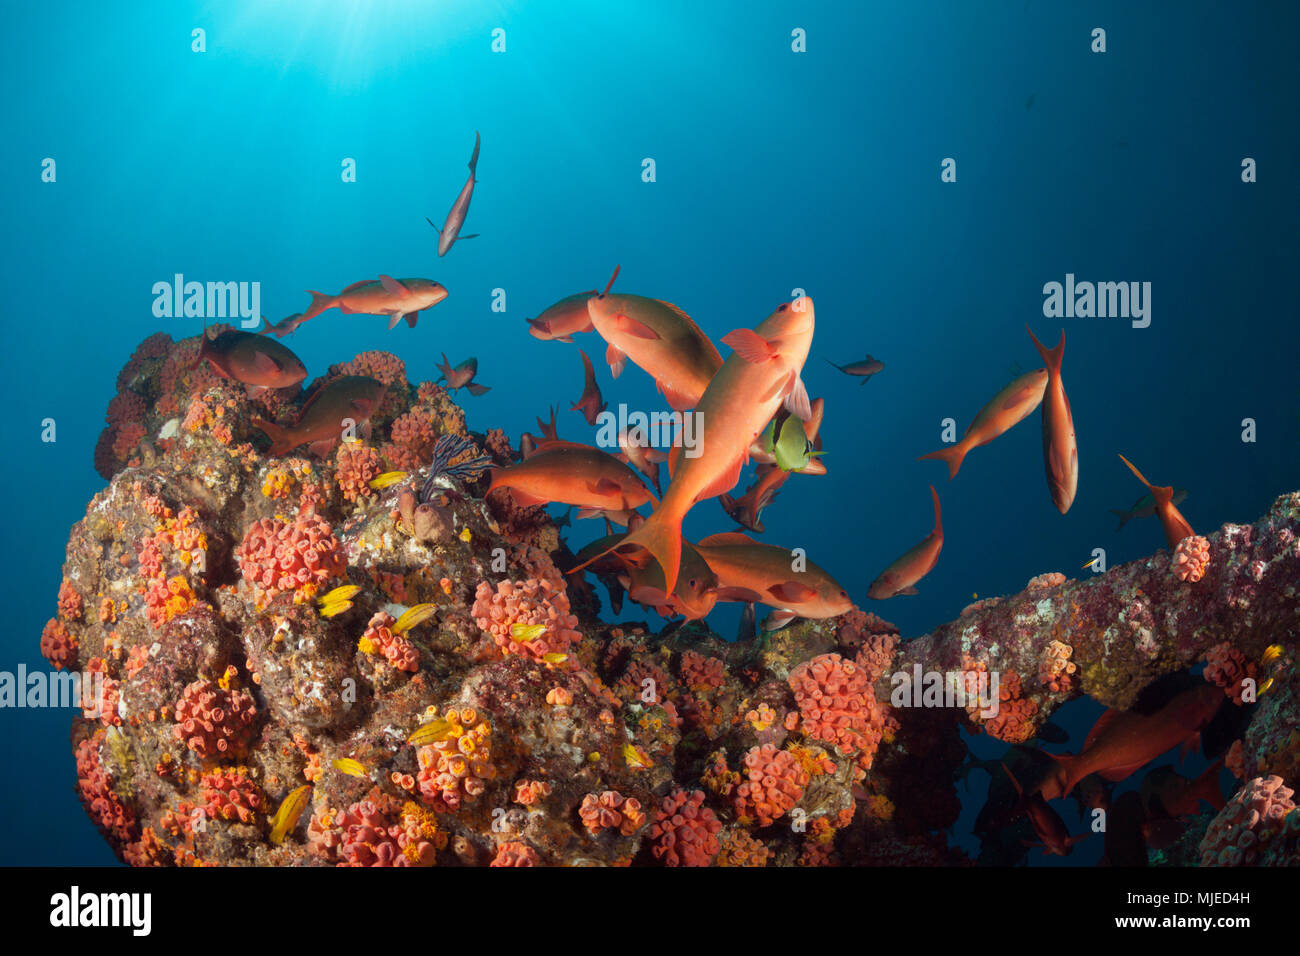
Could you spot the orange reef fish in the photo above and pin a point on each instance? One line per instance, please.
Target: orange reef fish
(901, 576)
(1047, 823)
(250, 358)
(590, 479)
(865, 368)
(350, 399)
(1060, 452)
(562, 321)
(285, 326)
(1145, 507)
(641, 456)
(1007, 408)
(764, 574)
(1166, 792)
(747, 510)
(396, 298)
(1171, 519)
(462, 376)
(740, 400)
(451, 227)
(589, 403)
(693, 596)
(661, 339)
(1124, 741)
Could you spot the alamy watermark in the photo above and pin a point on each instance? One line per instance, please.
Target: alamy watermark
(659, 430)
(211, 300)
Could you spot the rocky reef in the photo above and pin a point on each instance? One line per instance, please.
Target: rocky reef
(461, 702)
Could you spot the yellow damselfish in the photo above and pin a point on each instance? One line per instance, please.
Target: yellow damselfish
(353, 768)
(387, 479)
(523, 633)
(345, 593)
(335, 609)
(433, 731)
(413, 616)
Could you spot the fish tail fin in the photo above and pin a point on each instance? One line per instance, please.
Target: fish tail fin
(1162, 496)
(950, 455)
(1060, 777)
(833, 365)
(1051, 357)
(281, 440)
(1121, 515)
(938, 516)
(319, 303)
(473, 160)
(661, 535)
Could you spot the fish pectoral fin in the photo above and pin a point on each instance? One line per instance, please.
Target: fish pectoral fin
(605, 486)
(630, 326)
(791, 592)
(322, 448)
(749, 345)
(435, 228)
(796, 398)
(525, 500)
(779, 619)
(264, 364)
(910, 589)
(472, 235)
(392, 286)
(677, 400)
(564, 338)
(617, 360)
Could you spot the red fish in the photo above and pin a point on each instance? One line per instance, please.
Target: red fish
(252, 359)
(1124, 741)
(693, 596)
(567, 317)
(589, 403)
(740, 400)
(641, 456)
(462, 376)
(747, 510)
(594, 481)
(285, 326)
(660, 338)
(1171, 519)
(343, 403)
(901, 576)
(764, 574)
(1060, 452)
(1047, 823)
(1007, 408)
(396, 298)
(1165, 792)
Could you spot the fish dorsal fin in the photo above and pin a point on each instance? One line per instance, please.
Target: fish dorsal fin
(392, 286)
(356, 285)
(792, 592)
(624, 323)
(749, 345)
(1100, 726)
(726, 539)
(677, 311)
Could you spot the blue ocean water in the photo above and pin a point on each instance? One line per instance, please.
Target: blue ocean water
(775, 171)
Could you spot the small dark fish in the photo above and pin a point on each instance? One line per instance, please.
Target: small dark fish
(865, 368)
(1144, 507)
(462, 376)
(748, 623)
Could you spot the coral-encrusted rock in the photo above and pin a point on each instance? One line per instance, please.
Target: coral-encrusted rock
(509, 726)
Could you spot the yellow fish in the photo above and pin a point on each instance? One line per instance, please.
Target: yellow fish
(466, 536)
(432, 732)
(555, 658)
(636, 757)
(335, 609)
(340, 594)
(1271, 653)
(413, 616)
(523, 633)
(291, 808)
(353, 768)
(1263, 688)
(386, 480)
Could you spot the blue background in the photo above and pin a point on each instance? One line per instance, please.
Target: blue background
(775, 171)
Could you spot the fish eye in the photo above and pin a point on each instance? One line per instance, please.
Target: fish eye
(691, 582)
(783, 306)
(844, 594)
